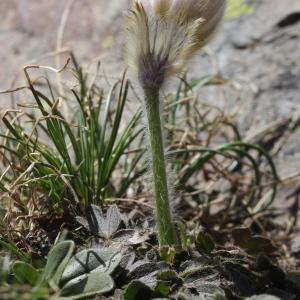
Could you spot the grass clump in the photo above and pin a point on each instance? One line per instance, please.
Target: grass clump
(69, 160)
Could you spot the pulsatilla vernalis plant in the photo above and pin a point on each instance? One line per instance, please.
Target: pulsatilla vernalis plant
(163, 35)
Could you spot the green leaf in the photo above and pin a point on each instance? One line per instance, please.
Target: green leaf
(137, 290)
(58, 258)
(252, 243)
(104, 260)
(88, 285)
(11, 247)
(162, 289)
(25, 273)
(168, 275)
(246, 282)
(204, 242)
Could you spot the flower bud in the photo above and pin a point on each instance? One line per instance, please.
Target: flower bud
(161, 7)
(195, 9)
(165, 34)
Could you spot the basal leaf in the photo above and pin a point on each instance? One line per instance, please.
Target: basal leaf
(137, 290)
(25, 273)
(113, 220)
(102, 259)
(58, 258)
(88, 285)
(204, 242)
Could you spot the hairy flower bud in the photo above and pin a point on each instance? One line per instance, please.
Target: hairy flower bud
(160, 7)
(164, 34)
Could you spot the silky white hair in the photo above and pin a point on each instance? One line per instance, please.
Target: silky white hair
(163, 35)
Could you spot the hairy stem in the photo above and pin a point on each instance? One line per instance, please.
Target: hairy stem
(166, 232)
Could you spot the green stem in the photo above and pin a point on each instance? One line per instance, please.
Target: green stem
(166, 232)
